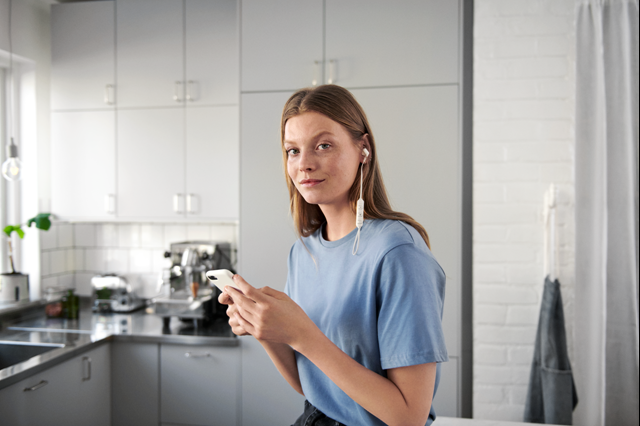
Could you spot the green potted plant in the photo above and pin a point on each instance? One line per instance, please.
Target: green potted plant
(14, 286)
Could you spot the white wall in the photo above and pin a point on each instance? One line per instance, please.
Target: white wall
(523, 140)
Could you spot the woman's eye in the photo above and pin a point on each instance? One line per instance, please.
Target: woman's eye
(292, 151)
(324, 146)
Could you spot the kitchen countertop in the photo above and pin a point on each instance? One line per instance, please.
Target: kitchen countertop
(92, 329)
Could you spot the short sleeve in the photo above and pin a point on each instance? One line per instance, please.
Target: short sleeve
(410, 299)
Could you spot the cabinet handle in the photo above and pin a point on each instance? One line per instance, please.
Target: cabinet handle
(177, 203)
(316, 73)
(332, 71)
(192, 203)
(86, 361)
(177, 91)
(191, 92)
(192, 355)
(110, 203)
(36, 387)
(108, 94)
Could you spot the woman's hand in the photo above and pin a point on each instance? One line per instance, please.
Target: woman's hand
(232, 310)
(267, 314)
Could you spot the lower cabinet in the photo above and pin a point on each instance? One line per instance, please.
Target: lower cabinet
(70, 393)
(199, 385)
(135, 382)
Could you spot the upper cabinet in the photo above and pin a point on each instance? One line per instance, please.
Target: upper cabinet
(173, 53)
(356, 44)
(83, 56)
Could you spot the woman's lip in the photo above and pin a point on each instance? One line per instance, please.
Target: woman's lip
(310, 182)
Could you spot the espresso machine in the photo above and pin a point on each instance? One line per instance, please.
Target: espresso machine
(184, 290)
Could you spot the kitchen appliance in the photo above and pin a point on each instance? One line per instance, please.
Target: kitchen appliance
(112, 293)
(14, 287)
(184, 290)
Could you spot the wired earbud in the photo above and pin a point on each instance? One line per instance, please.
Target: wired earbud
(360, 206)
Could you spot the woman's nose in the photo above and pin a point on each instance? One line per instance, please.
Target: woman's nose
(307, 161)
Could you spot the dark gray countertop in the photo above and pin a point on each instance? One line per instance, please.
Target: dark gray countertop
(92, 329)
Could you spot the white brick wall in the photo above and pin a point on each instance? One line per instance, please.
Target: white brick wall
(523, 141)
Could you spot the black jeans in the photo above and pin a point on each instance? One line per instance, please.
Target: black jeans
(314, 417)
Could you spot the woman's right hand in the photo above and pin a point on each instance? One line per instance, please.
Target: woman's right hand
(232, 309)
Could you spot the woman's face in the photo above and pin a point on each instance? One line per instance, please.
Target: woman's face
(322, 160)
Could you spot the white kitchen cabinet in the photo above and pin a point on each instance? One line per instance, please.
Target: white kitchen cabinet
(151, 163)
(135, 382)
(288, 45)
(164, 175)
(66, 394)
(281, 44)
(150, 52)
(83, 167)
(175, 52)
(377, 43)
(199, 385)
(212, 64)
(83, 56)
(212, 163)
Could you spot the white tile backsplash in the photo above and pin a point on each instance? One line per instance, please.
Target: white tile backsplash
(129, 235)
(140, 261)
(94, 259)
(174, 233)
(84, 235)
(49, 239)
(198, 232)
(58, 259)
(72, 253)
(107, 235)
(65, 235)
(151, 236)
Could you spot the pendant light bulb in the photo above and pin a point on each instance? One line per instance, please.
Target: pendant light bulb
(12, 167)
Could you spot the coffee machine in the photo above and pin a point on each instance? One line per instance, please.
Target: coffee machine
(184, 290)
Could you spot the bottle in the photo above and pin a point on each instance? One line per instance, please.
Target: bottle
(73, 305)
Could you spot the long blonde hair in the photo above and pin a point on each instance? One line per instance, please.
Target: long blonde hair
(338, 104)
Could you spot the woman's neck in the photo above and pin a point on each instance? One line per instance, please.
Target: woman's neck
(340, 221)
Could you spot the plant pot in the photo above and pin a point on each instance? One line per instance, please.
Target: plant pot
(14, 287)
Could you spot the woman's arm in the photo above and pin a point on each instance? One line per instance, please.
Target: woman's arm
(402, 398)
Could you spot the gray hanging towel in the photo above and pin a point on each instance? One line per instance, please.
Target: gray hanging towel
(551, 396)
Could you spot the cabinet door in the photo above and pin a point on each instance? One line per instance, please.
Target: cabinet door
(83, 181)
(67, 394)
(212, 52)
(151, 163)
(281, 44)
(83, 55)
(199, 385)
(213, 163)
(150, 61)
(375, 43)
(92, 373)
(135, 382)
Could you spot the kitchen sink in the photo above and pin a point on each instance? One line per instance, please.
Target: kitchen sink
(16, 352)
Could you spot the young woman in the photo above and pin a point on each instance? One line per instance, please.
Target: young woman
(358, 329)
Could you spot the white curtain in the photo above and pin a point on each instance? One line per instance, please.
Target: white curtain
(606, 294)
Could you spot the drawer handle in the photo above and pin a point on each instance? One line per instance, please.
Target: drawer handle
(86, 362)
(36, 387)
(192, 355)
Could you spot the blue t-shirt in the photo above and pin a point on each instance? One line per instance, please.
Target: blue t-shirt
(383, 307)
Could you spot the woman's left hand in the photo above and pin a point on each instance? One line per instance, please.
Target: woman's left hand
(268, 314)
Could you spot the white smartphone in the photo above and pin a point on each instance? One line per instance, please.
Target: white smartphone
(221, 278)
